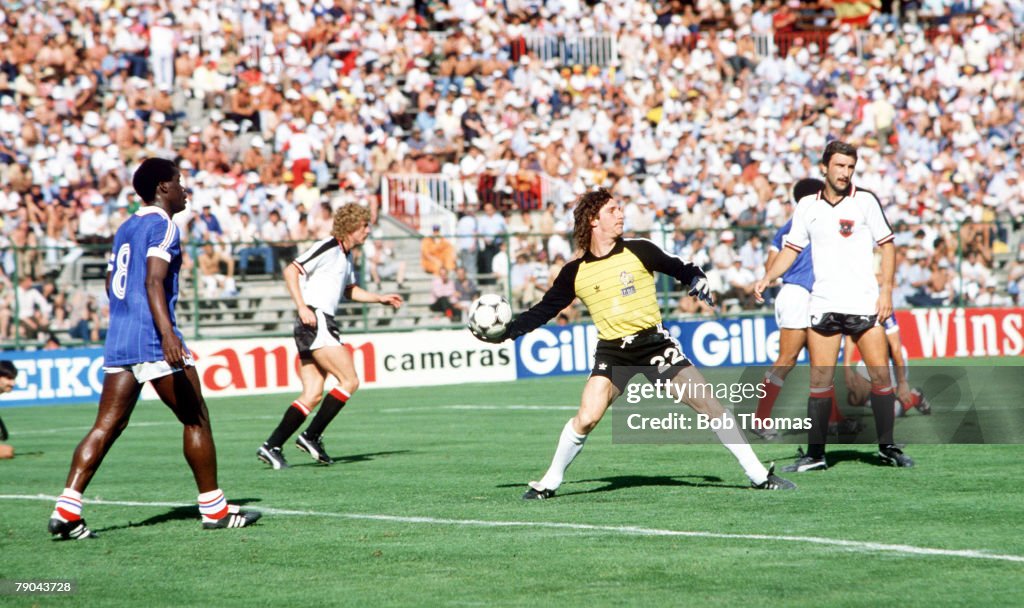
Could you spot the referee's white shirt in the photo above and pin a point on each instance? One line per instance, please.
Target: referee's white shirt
(325, 270)
(843, 236)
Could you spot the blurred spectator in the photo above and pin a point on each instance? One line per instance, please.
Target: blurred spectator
(307, 193)
(216, 272)
(33, 309)
(466, 243)
(465, 290)
(275, 234)
(500, 265)
(87, 318)
(523, 281)
(93, 222)
(444, 295)
(247, 239)
(740, 282)
(989, 297)
(382, 264)
(492, 229)
(6, 310)
(752, 255)
(436, 252)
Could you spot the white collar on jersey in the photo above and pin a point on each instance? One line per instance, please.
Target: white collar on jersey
(821, 195)
(151, 209)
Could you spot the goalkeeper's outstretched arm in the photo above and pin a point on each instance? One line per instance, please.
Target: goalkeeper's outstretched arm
(561, 294)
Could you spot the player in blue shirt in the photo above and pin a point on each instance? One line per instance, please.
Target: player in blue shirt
(792, 313)
(144, 345)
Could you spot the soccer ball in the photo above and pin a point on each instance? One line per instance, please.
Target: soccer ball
(489, 316)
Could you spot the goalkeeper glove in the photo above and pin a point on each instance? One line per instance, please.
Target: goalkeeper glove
(700, 290)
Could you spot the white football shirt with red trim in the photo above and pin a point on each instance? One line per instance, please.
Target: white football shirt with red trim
(843, 237)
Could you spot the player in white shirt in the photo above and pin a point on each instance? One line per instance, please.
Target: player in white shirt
(843, 225)
(316, 281)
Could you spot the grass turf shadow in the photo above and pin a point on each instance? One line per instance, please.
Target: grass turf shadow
(351, 459)
(190, 512)
(622, 482)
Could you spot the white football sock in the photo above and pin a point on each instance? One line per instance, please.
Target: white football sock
(569, 445)
(69, 506)
(213, 505)
(733, 439)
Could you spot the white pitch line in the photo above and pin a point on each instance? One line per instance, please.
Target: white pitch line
(854, 545)
(427, 408)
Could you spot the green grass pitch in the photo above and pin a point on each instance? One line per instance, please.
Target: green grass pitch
(424, 509)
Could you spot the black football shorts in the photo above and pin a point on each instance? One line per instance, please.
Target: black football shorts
(652, 352)
(308, 339)
(832, 323)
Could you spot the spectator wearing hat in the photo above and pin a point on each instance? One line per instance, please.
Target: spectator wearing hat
(724, 252)
(436, 252)
(989, 296)
(94, 223)
(307, 193)
(213, 230)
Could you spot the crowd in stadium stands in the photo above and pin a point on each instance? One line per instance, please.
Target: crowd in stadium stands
(280, 111)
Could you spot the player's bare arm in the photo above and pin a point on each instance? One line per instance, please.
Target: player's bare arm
(291, 281)
(356, 293)
(884, 308)
(156, 272)
(783, 260)
(772, 254)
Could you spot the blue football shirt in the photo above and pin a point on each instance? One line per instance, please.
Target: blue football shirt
(132, 337)
(802, 271)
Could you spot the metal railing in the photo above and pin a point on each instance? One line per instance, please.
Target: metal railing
(422, 200)
(600, 50)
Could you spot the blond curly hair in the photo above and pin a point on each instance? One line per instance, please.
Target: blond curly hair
(348, 219)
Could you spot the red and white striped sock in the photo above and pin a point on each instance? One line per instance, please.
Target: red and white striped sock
(302, 407)
(213, 505)
(69, 506)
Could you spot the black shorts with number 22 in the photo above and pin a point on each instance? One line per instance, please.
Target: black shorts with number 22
(652, 352)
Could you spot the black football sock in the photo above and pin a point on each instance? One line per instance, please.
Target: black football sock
(883, 406)
(293, 418)
(819, 406)
(329, 408)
